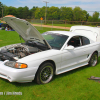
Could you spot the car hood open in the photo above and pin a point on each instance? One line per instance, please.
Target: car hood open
(25, 30)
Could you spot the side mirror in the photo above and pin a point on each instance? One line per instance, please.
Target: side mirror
(70, 47)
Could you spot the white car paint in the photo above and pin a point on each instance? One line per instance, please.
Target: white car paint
(90, 32)
(24, 29)
(65, 59)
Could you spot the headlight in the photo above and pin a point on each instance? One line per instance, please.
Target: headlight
(16, 64)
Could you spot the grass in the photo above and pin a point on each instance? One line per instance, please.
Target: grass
(44, 29)
(73, 85)
(64, 25)
(9, 37)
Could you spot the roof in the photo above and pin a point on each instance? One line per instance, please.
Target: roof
(68, 33)
(93, 29)
(88, 31)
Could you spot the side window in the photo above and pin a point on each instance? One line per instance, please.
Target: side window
(85, 41)
(75, 41)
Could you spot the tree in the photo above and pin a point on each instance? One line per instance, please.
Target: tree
(20, 12)
(90, 19)
(40, 12)
(10, 11)
(25, 12)
(66, 13)
(32, 12)
(85, 15)
(79, 14)
(95, 16)
(53, 13)
(1, 9)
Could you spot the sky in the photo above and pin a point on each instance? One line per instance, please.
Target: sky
(88, 5)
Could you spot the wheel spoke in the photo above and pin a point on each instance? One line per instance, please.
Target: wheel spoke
(46, 74)
(94, 59)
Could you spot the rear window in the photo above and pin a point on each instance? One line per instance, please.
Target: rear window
(85, 41)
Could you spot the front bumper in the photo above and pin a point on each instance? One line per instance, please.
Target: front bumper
(17, 75)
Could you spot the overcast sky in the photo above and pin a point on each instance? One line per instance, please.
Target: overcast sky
(88, 5)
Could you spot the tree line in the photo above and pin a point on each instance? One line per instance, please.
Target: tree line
(53, 13)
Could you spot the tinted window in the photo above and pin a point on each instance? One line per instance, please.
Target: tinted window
(85, 41)
(75, 41)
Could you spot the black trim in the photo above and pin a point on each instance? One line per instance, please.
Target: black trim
(46, 44)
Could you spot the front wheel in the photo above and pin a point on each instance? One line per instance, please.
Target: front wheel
(94, 59)
(45, 73)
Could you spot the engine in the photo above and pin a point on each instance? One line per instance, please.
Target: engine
(17, 51)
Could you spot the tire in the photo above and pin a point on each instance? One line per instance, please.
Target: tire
(94, 59)
(45, 73)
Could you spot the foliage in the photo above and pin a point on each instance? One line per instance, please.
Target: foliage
(90, 18)
(32, 12)
(79, 14)
(1, 5)
(10, 11)
(40, 12)
(53, 13)
(95, 16)
(66, 13)
(20, 12)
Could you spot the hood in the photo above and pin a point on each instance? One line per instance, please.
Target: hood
(25, 30)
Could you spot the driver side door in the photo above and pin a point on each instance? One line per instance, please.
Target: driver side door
(76, 57)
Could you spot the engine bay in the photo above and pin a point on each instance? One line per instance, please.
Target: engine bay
(20, 50)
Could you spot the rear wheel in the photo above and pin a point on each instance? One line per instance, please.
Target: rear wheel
(94, 59)
(45, 73)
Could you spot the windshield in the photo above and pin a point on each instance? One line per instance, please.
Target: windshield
(55, 40)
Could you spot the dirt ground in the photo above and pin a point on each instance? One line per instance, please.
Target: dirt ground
(60, 27)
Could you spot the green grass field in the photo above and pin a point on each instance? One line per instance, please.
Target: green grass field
(72, 85)
(63, 25)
